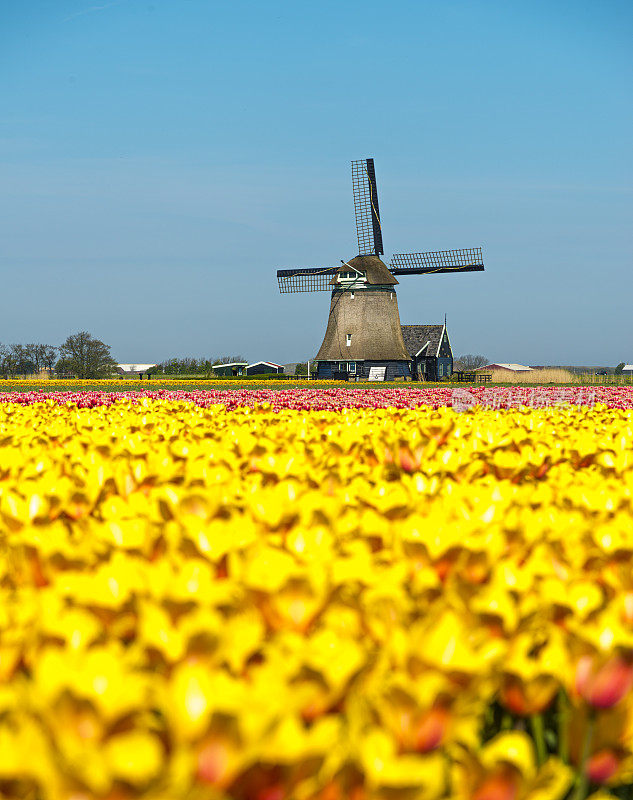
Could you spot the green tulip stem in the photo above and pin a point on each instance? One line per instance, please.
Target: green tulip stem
(582, 780)
(563, 727)
(538, 732)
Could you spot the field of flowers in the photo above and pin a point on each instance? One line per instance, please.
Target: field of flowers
(321, 396)
(261, 596)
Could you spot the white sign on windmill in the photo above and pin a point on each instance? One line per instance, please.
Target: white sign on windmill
(377, 373)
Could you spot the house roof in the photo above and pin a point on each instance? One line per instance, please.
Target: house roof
(135, 367)
(510, 367)
(627, 367)
(417, 337)
(266, 363)
(232, 364)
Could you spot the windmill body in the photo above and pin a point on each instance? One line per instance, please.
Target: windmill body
(363, 337)
(363, 328)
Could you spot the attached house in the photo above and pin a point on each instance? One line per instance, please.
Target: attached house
(430, 351)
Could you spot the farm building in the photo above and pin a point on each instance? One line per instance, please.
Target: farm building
(504, 368)
(628, 369)
(264, 368)
(134, 370)
(430, 351)
(236, 368)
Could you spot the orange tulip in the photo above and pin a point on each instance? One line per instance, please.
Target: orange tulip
(501, 785)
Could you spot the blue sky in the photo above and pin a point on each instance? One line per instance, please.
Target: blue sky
(160, 160)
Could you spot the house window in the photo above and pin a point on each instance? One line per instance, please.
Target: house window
(440, 370)
(351, 367)
(349, 340)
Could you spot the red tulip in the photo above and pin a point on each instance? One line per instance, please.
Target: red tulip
(601, 766)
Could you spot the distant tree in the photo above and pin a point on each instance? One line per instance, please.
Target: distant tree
(86, 357)
(63, 367)
(42, 355)
(302, 368)
(48, 353)
(21, 361)
(618, 370)
(228, 360)
(185, 366)
(469, 361)
(6, 361)
(170, 366)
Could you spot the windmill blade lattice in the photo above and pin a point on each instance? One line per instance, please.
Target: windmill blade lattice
(468, 259)
(366, 208)
(301, 279)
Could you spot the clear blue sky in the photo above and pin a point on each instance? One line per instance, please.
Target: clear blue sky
(160, 160)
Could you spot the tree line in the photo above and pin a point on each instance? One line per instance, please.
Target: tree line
(192, 366)
(80, 356)
(84, 356)
(469, 362)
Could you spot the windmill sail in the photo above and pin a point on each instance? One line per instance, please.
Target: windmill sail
(301, 279)
(466, 260)
(366, 208)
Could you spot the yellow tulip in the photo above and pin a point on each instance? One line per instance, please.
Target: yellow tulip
(318, 604)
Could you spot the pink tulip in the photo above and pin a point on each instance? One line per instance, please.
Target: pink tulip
(603, 685)
(333, 398)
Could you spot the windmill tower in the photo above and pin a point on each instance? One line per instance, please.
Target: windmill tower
(363, 335)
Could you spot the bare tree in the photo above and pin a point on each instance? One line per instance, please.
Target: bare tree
(30, 351)
(6, 360)
(42, 355)
(85, 356)
(469, 361)
(21, 361)
(24, 359)
(48, 354)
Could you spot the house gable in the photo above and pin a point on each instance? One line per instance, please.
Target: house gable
(416, 337)
(430, 350)
(444, 349)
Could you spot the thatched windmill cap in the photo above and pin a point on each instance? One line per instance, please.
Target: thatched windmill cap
(376, 271)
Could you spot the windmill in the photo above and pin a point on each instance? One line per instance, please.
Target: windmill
(363, 329)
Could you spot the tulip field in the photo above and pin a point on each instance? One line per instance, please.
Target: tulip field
(319, 593)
